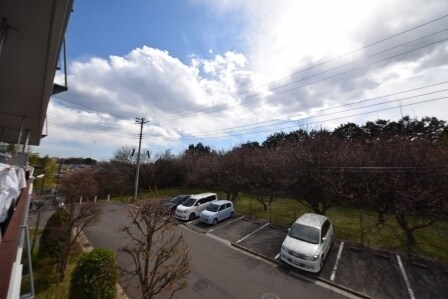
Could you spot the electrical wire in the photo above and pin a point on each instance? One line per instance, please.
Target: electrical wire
(226, 106)
(343, 55)
(301, 125)
(107, 129)
(335, 107)
(293, 82)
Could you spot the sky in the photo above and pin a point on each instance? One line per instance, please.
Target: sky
(228, 72)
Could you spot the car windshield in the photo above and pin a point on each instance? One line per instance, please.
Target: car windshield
(213, 208)
(304, 233)
(176, 199)
(189, 202)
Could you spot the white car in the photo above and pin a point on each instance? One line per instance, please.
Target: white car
(308, 241)
(217, 211)
(192, 207)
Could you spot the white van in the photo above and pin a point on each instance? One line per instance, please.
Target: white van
(192, 207)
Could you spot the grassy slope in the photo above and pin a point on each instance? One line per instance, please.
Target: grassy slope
(45, 277)
(346, 220)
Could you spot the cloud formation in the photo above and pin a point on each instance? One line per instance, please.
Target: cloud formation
(287, 72)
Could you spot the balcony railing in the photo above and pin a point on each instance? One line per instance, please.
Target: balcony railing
(13, 241)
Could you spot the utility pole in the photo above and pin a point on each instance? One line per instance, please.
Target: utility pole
(57, 182)
(141, 122)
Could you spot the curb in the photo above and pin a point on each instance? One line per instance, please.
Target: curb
(86, 247)
(329, 282)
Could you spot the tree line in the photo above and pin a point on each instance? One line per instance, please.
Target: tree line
(397, 167)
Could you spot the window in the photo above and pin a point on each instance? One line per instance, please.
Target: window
(304, 233)
(325, 228)
(212, 208)
(210, 198)
(189, 202)
(228, 205)
(222, 207)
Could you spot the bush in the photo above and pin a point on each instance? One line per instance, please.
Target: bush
(95, 276)
(54, 235)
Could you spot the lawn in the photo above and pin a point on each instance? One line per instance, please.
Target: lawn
(431, 241)
(45, 277)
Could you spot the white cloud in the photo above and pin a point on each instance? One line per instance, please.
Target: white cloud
(105, 95)
(280, 38)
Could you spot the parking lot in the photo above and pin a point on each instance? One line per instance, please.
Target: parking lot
(363, 271)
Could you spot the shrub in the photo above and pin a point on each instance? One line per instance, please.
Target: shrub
(54, 235)
(95, 275)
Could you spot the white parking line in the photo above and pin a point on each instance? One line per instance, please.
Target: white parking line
(333, 274)
(323, 284)
(242, 239)
(277, 256)
(408, 285)
(193, 221)
(225, 224)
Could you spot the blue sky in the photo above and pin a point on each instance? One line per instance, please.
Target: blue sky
(227, 72)
(183, 28)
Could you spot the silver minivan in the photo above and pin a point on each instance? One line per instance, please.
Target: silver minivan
(308, 241)
(192, 207)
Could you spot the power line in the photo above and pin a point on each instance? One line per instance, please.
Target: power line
(352, 52)
(218, 134)
(336, 58)
(301, 125)
(106, 130)
(335, 107)
(225, 106)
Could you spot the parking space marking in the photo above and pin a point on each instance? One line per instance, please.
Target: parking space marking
(277, 256)
(406, 280)
(213, 229)
(323, 284)
(244, 238)
(333, 274)
(193, 221)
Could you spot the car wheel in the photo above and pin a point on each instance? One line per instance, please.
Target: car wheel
(232, 215)
(215, 221)
(192, 216)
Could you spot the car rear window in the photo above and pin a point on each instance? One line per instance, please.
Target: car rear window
(304, 233)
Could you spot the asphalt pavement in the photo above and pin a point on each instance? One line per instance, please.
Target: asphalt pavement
(219, 270)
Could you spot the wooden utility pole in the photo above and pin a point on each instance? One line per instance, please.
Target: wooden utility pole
(141, 122)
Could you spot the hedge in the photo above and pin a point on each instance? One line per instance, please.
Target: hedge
(95, 276)
(54, 235)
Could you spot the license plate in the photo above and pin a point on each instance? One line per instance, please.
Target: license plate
(296, 262)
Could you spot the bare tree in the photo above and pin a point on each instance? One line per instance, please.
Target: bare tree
(262, 173)
(309, 174)
(159, 253)
(73, 186)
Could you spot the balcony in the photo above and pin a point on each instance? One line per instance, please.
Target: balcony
(31, 39)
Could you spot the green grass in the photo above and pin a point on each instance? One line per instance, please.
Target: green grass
(45, 276)
(431, 241)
